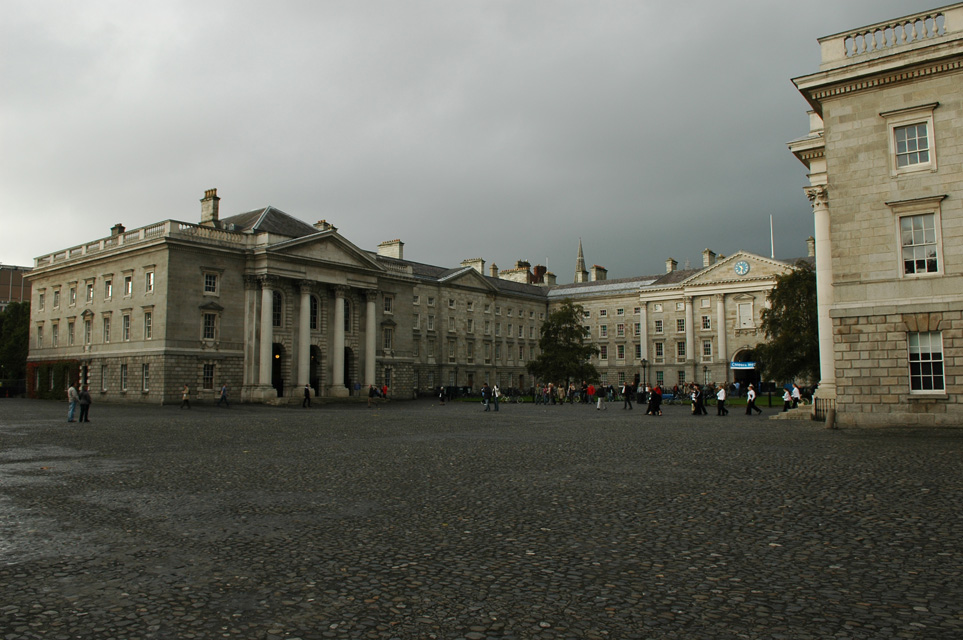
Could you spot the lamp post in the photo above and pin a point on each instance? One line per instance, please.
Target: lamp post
(645, 380)
(705, 375)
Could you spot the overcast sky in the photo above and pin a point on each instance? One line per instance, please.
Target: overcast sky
(499, 130)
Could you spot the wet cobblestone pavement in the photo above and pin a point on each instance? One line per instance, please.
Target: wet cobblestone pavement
(414, 520)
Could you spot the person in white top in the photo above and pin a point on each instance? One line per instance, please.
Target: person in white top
(721, 401)
(751, 401)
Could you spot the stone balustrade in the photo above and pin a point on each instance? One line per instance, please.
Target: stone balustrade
(885, 38)
(167, 228)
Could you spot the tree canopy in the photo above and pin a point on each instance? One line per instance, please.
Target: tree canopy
(792, 348)
(14, 340)
(563, 352)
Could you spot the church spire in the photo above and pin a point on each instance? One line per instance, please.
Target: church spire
(581, 275)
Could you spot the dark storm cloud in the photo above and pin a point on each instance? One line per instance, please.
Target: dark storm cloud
(502, 130)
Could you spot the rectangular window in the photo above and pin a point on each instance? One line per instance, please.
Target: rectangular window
(660, 378)
(387, 337)
(56, 300)
(210, 326)
(620, 312)
(706, 323)
(451, 303)
(658, 326)
(521, 331)
(148, 281)
(40, 336)
(88, 330)
(70, 333)
(470, 351)
(621, 378)
(148, 328)
(498, 352)
(508, 312)
(207, 376)
(128, 285)
(488, 353)
(55, 334)
(521, 353)
(107, 329)
(488, 327)
(416, 323)
(389, 302)
(471, 305)
(210, 283)
(745, 315)
(108, 289)
(603, 352)
(637, 328)
(40, 300)
(681, 378)
(603, 313)
(90, 292)
(416, 300)
(680, 349)
(707, 349)
(431, 323)
(125, 327)
(123, 377)
(603, 331)
(918, 239)
(659, 350)
(620, 330)
(620, 352)
(72, 296)
(431, 301)
(586, 314)
(680, 325)
(471, 325)
(638, 352)
(926, 361)
(145, 377)
(912, 145)
(451, 351)
(451, 323)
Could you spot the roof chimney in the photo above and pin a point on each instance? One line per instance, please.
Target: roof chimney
(670, 265)
(493, 270)
(209, 208)
(324, 225)
(708, 258)
(477, 264)
(116, 230)
(392, 249)
(811, 247)
(538, 274)
(599, 273)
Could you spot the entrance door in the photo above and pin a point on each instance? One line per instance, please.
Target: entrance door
(277, 372)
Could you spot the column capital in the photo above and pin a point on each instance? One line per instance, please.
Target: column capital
(251, 282)
(818, 195)
(306, 286)
(370, 295)
(269, 282)
(340, 290)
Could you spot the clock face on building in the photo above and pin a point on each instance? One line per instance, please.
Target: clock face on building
(742, 268)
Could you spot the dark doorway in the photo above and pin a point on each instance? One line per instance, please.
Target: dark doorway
(277, 360)
(348, 357)
(315, 370)
(745, 375)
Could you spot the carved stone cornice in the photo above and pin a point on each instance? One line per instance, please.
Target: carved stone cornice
(818, 196)
(370, 295)
(864, 84)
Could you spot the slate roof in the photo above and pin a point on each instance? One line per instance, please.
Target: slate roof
(268, 220)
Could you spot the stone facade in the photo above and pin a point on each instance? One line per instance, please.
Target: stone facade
(885, 160)
(267, 304)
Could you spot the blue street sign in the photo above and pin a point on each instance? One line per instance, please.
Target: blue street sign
(742, 365)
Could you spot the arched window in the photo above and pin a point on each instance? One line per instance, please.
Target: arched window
(347, 316)
(277, 308)
(315, 314)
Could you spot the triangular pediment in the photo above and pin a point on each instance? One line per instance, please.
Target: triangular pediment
(325, 247)
(739, 267)
(467, 277)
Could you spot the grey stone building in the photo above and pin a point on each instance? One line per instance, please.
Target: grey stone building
(885, 161)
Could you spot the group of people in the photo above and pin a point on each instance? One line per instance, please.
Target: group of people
(78, 398)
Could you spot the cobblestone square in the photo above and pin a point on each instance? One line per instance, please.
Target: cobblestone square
(414, 520)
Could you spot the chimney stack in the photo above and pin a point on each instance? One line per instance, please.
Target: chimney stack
(708, 258)
(392, 249)
(670, 265)
(116, 230)
(538, 274)
(478, 264)
(209, 208)
(599, 273)
(493, 271)
(324, 225)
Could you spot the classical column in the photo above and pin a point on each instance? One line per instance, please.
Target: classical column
(644, 329)
(249, 376)
(819, 197)
(721, 332)
(304, 334)
(370, 337)
(690, 354)
(268, 283)
(337, 353)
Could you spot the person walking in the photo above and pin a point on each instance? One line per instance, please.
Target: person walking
(186, 396)
(721, 401)
(73, 399)
(496, 394)
(223, 396)
(486, 393)
(796, 395)
(372, 394)
(751, 401)
(627, 396)
(307, 396)
(786, 400)
(84, 404)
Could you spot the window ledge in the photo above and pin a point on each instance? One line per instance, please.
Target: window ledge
(928, 396)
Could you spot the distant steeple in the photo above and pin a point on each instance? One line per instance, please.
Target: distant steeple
(581, 274)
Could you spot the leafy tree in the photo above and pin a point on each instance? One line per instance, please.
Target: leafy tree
(14, 340)
(792, 347)
(564, 353)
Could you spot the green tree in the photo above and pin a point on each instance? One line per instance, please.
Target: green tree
(564, 354)
(792, 348)
(14, 340)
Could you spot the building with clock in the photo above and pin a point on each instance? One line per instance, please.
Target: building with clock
(885, 167)
(268, 304)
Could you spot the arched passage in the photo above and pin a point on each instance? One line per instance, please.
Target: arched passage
(277, 368)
